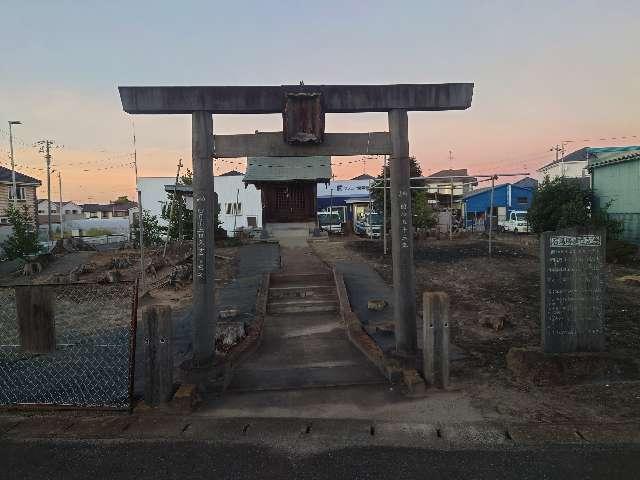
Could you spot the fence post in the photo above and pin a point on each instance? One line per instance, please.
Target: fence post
(158, 378)
(435, 337)
(35, 314)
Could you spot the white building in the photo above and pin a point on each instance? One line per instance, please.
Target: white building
(573, 165)
(240, 205)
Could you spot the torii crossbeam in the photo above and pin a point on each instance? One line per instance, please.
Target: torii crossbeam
(303, 108)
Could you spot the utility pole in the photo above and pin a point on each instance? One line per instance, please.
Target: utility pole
(14, 190)
(60, 206)
(384, 204)
(493, 181)
(45, 147)
(451, 202)
(140, 211)
(173, 201)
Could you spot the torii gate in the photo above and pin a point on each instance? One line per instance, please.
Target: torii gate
(303, 108)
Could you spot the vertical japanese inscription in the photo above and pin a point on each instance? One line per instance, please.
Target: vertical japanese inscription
(404, 199)
(572, 291)
(201, 228)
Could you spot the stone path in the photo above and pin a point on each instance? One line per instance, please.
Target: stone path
(254, 261)
(304, 348)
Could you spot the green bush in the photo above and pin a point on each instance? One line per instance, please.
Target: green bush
(620, 251)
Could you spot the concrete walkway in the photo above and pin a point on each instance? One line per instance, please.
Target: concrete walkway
(302, 350)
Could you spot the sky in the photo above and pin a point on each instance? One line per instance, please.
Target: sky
(544, 73)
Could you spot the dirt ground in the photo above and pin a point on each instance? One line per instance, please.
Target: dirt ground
(93, 266)
(495, 305)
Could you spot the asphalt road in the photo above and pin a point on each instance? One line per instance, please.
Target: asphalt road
(155, 460)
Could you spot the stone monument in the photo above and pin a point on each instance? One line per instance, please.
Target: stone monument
(572, 287)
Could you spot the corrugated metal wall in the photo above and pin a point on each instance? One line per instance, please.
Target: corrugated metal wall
(619, 183)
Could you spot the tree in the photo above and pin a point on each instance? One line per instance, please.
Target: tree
(563, 203)
(24, 239)
(122, 200)
(181, 225)
(152, 231)
(423, 215)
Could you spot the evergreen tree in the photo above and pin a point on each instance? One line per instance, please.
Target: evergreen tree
(24, 239)
(423, 214)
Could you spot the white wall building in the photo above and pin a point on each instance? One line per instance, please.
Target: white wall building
(573, 165)
(240, 206)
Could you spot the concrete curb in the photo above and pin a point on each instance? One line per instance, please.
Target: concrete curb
(391, 368)
(315, 433)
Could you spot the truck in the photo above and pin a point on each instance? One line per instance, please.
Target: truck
(331, 221)
(370, 225)
(516, 222)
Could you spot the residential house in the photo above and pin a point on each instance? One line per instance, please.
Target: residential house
(527, 182)
(240, 204)
(109, 210)
(447, 188)
(70, 211)
(615, 180)
(25, 196)
(573, 165)
(506, 198)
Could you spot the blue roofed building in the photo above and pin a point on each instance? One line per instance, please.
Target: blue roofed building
(506, 198)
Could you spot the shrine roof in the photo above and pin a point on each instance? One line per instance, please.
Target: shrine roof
(283, 169)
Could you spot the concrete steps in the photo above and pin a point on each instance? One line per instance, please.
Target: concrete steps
(301, 293)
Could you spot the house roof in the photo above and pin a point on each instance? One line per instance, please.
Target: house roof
(5, 176)
(283, 169)
(486, 189)
(581, 155)
(599, 157)
(527, 182)
(364, 176)
(108, 207)
(232, 173)
(460, 174)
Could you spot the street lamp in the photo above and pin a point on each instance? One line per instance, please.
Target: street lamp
(14, 190)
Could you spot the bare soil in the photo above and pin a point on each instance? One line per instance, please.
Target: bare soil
(495, 305)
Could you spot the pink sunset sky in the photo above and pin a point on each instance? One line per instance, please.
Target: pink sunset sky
(543, 74)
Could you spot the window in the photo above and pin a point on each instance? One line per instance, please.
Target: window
(67, 212)
(233, 208)
(93, 215)
(522, 200)
(252, 221)
(20, 193)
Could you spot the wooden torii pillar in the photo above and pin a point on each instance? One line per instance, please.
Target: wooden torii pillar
(303, 108)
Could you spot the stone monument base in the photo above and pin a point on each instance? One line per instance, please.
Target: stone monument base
(532, 365)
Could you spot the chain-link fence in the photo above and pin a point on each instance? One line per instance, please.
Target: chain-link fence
(90, 360)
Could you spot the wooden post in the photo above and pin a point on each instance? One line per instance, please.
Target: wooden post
(35, 313)
(404, 279)
(204, 312)
(436, 338)
(158, 368)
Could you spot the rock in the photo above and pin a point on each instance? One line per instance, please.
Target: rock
(376, 304)
(112, 276)
(633, 280)
(229, 334)
(495, 317)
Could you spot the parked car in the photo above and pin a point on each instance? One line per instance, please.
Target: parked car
(516, 222)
